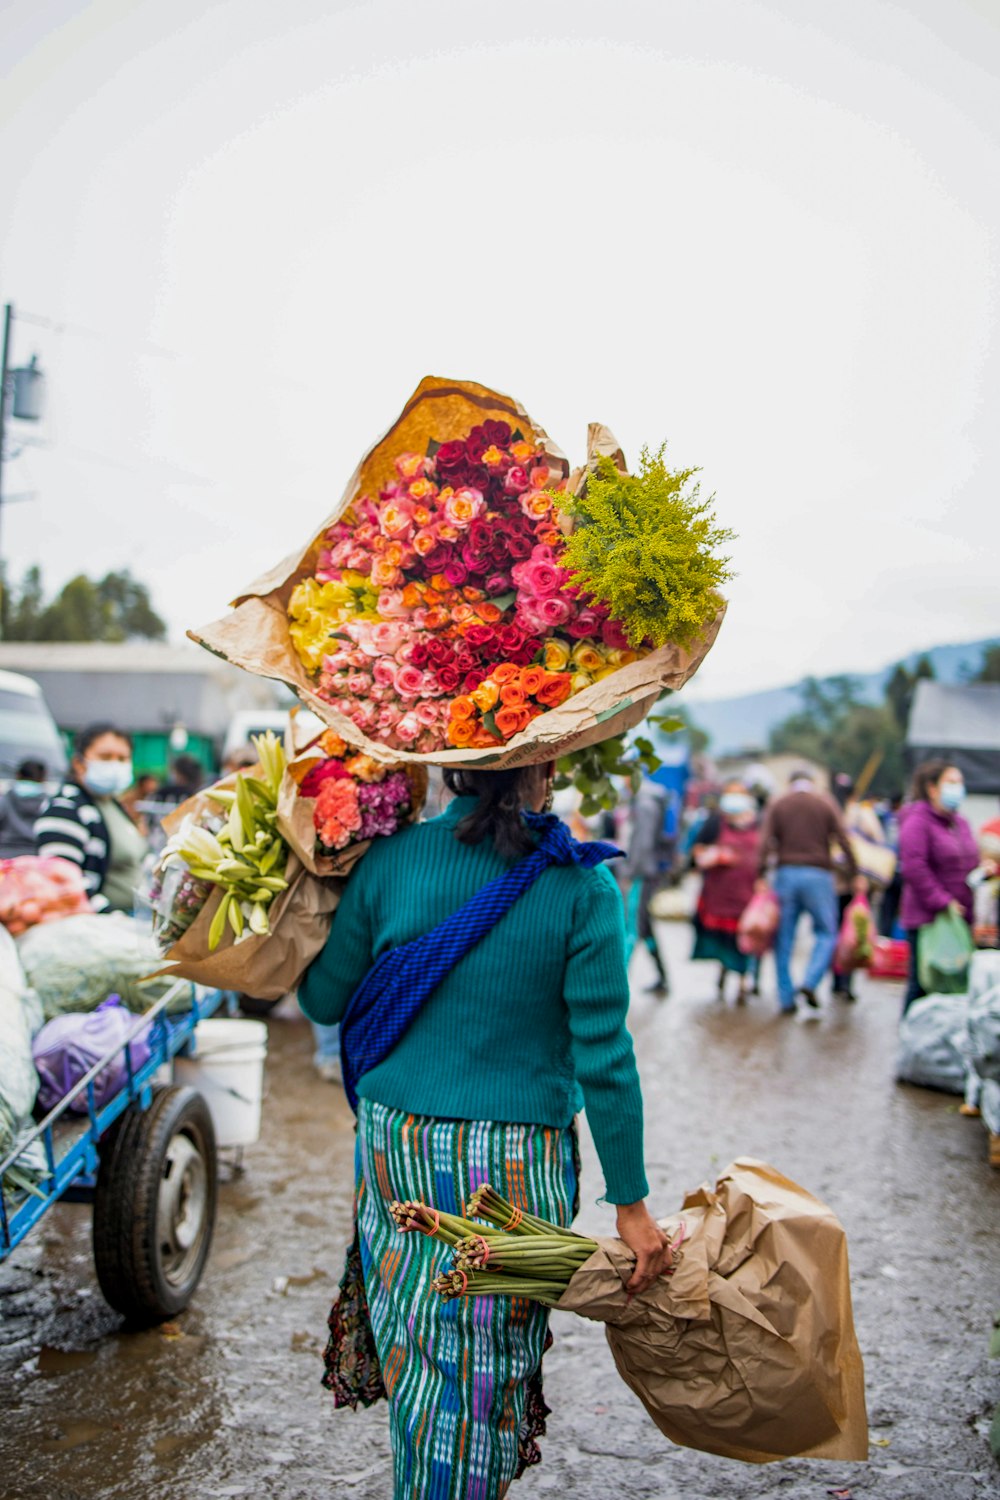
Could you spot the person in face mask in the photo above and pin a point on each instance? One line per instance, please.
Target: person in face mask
(937, 853)
(86, 823)
(727, 852)
(19, 808)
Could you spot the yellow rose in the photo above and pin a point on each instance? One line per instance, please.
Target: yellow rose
(587, 658)
(556, 655)
(579, 681)
(486, 696)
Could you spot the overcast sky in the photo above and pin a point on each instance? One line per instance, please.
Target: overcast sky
(766, 232)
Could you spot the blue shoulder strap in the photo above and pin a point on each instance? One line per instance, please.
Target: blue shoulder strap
(399, 983)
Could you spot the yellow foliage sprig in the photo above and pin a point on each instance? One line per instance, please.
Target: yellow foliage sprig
(645, 545)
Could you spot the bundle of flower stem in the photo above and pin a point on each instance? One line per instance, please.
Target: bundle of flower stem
(512, 1253)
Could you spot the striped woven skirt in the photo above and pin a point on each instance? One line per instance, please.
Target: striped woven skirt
(457, 1374)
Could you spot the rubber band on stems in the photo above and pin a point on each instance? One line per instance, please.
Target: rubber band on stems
(515, 1218)
(436, 1215)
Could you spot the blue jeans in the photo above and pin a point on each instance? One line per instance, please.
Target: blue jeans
(327, 1039)
(804, 888)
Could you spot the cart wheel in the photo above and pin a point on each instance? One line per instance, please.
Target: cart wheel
(154, 1209)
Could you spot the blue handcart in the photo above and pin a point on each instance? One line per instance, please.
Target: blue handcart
(146, 1159)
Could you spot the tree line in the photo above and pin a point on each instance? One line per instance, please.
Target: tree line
(116, 607)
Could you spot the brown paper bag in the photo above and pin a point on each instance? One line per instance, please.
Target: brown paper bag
(266, 966)
(749, 1350)
(255, 635)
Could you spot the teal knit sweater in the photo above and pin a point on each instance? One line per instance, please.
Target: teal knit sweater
(528, 1027)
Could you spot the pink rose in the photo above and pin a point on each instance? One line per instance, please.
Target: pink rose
(389, 716)
(464, 507)
(358, 683)
(409, 681)
(425, 541)
(587, 622)
(387, 637)
(427, 713)
(497, 584)
(359, 560)
(391, 606)
(554, 611)
(515, 481)
(385, 671)
(408, 728)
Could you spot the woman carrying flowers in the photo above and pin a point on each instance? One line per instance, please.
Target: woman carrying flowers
(520, 1023)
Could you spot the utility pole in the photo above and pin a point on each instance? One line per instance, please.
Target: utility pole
(8, 314)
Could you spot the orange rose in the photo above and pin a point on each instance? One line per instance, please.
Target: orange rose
(532, 679)
(505, 672)
(511, 721)
(384, 574)
(422, 489)
(394, 554)
(461, 732)
(462, 708)
(439, 583)
(536, 503)
(555, 689)
(512, 695)
(334, 746)
(490, 614)
(483, 740)
(473, 596)
(522, 452)
(486, 696)
(412, 596)
(437, 619)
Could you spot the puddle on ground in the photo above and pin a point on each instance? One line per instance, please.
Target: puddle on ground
(62, 1361)
(74, 1435)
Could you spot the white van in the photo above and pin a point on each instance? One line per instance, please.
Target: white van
(27, 730)
(251, 721)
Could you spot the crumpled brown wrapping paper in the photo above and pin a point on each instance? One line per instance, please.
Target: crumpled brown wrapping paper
(255, 635)
(266, 966)
(748, 1350)
(271, 964)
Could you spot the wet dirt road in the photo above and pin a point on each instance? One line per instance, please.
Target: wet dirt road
(227, 1401)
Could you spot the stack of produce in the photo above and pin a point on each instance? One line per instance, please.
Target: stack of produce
(747, 1350)
(37, 889)
(242, 854)
(471, 602)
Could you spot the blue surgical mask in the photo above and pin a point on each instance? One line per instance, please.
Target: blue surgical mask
(107, 778)
(736, 804)
(952, 795)
(29, 788)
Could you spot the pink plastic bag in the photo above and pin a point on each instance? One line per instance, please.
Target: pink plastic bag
(758, 924)
(39, 888)
(857, 931)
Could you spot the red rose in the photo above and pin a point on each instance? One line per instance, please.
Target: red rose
(483, 637)
(476, 445)
(447, 679)
(497, 434)
(438, 560)
(438, 653)
(473, 679)
(450, 456)
(519, 547)
(511, 638)
(419, 654)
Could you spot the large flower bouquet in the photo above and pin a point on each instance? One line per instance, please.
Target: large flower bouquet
(471, 602)
(439, 613)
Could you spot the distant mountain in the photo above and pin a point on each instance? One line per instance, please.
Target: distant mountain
(742, 725)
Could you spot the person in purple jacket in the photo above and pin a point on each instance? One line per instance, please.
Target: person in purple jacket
(937, 853)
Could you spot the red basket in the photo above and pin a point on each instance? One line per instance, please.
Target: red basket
(890, 959)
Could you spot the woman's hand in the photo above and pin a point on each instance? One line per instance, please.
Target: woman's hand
(642, 1234)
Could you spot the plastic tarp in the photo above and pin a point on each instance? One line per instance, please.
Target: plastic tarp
(76, 964)
(18, 1079)
(933, 1043)
(984, 1037)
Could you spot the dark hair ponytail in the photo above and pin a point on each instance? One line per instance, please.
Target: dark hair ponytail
(497, 814)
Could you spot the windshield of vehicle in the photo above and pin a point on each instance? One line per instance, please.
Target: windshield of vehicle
(27, 732)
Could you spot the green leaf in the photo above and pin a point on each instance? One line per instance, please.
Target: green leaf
(504, 601)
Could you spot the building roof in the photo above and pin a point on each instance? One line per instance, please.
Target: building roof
(145, 686)
(965, 716)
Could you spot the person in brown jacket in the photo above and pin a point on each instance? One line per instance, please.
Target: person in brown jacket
(799, 831)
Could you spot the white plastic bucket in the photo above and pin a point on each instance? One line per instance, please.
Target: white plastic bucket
(228, 1070)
